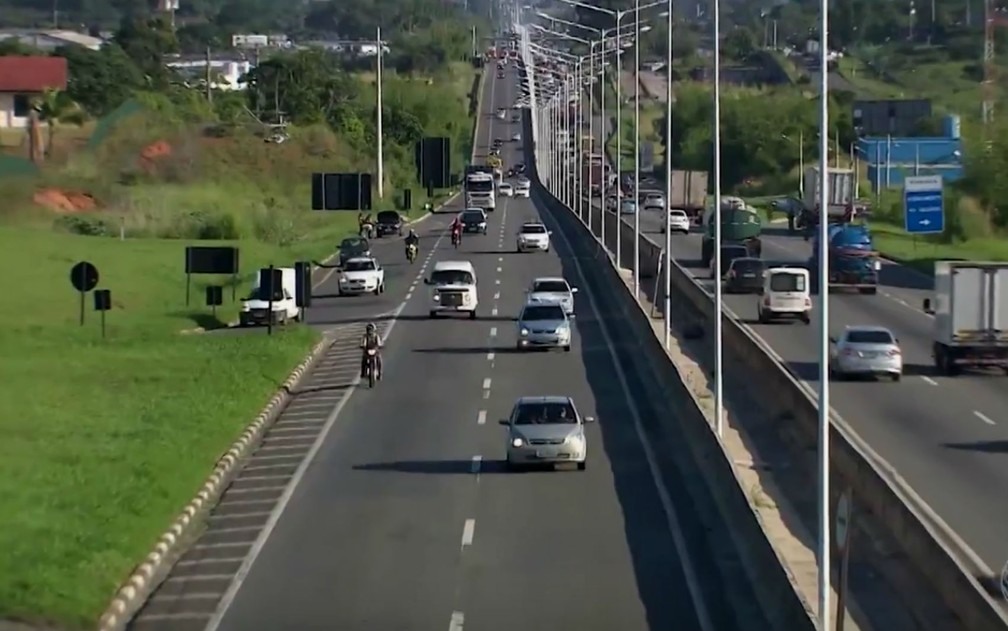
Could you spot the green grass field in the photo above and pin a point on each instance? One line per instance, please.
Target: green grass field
(105, 440)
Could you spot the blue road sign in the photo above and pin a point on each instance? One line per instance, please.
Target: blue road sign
(923, 210)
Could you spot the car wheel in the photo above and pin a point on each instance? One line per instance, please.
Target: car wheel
(433, 314)
(340, 293)
(896, 376)
(582, 465)
(472, 315)
(377, 290)
(567, 349)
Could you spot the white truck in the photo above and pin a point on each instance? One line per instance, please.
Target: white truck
(481, 191)
(970, 310)
(256, 308)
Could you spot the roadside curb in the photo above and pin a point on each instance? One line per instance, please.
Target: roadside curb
(152, 570)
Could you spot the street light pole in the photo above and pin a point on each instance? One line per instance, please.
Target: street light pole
(637, 153)
(378, 120)
(668, 187)
(824, 344)
(718, 299)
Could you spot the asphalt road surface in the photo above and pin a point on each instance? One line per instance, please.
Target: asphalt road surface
(947, 436)
(404, 517)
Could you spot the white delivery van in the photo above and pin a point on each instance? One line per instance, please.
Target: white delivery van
(785, 294)
(255, 308)
(453, 288)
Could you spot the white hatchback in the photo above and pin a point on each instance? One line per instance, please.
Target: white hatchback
(505, 189)
(678, 221)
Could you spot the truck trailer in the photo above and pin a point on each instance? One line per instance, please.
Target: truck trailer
(970, 309)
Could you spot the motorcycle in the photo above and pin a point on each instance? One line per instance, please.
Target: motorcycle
(371, 368)
(456, 238)
(411, 252)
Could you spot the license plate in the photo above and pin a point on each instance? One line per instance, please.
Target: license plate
(546, 453)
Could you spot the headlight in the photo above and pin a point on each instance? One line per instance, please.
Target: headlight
(524, 331)
(517, 441)
(436, 297)
(246, 308)
(878, 266)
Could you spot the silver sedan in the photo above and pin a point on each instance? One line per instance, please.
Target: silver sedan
(546, 430)
(867, 351)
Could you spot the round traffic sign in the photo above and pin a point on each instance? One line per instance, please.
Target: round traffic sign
(84, 276)
(843, 514)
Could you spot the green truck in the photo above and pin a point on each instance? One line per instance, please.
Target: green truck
(740, 225)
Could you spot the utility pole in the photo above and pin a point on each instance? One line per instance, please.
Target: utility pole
(209, 88)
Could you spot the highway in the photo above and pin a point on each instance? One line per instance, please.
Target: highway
(946, 435)
(405, 517)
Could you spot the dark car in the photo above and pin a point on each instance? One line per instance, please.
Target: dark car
(519, 168)
(728, 254)
(351, 247)
(745, 276)
(474, 220)
(388, 222)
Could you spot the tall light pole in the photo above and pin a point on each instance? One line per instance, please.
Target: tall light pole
(636, 215)
(824, 399)
(718, 298)
(668, 185)
(378, 120)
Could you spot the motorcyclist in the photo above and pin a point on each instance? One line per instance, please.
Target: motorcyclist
(363, 219)
(371, 341)
(456, 228)
(412, 238)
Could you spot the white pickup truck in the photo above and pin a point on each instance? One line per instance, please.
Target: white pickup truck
(361, 275)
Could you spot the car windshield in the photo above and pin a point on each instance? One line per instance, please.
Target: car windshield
(545, 414)
(451, 277)
(544, 312)
(869, 337)
(551, 286)
(505, 187)
(354, 245)
(388, 216)
(472, 217)
(359, 266)
(747, 266)
(677, 214)
(533, 229)
(730, 254)
(784, 281)
(261, 293)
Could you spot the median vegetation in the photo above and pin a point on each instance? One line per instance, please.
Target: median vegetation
(105, 439)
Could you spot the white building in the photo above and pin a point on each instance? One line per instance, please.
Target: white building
(224, 74)
(49, 40)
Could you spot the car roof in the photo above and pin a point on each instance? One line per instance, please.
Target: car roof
(788, 269)
(747, 259)
(454, 265)
(549, 279)
(503, 184)
(473, 210)
(528, 224)
(550, 398)
(868, 328)
(544, 304)
(361, 259)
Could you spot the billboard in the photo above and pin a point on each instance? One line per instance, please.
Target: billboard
(249, 40)
(890, 160)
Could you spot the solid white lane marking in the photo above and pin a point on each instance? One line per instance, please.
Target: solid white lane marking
(457, 621)
(929, 380)
(486, 383)
(493, 331)
(983, 417)
(468, 532)
(493, 311)
(481, 417)
(477, 462)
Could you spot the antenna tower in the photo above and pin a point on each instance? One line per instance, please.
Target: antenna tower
(994, 18)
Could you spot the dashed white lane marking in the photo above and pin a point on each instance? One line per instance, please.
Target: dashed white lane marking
(457, 621)
(468, 532)
(498, 270)
(983, 417)
(500, 259)
(490, 356)
(497, 296)
(493, 331)
(481, 417)
(497, 282)
(409, 295)
(493, 311)
(929, 380)
(486, 395)
(486, 383)
(477, 462)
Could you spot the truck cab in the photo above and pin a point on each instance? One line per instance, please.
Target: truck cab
(453, 288)
(740, 225)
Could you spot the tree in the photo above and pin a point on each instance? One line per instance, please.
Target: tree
(54, 106)
(147, 41)
(99, 81)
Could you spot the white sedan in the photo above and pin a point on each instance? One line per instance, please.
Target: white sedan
(678, 221)
(361, 276)
(523, 189)
(505, 189)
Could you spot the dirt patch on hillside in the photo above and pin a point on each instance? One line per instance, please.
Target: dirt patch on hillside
(64, 201)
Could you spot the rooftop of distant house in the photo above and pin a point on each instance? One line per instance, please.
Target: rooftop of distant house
(32, 75)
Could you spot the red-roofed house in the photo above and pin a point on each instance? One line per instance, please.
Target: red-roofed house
(22, 78)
